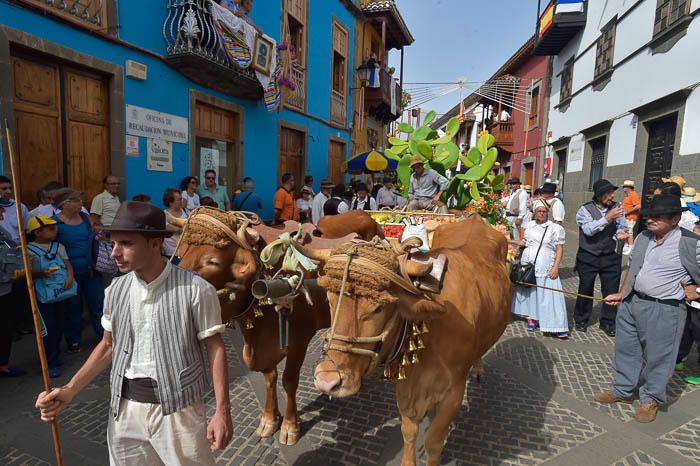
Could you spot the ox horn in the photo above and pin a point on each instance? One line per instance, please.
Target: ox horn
(178, 222)
(418, 269)
(252, 236)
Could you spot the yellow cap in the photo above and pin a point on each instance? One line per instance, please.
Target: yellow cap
(39, 221)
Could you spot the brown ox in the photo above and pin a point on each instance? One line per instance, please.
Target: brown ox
(464, 320)
(223, 263)
(355, 221)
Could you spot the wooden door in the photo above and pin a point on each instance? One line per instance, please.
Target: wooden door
(291, 156)
(37, 120)
(662, 135)
(336, 157)
(529, 171)
(87, 131)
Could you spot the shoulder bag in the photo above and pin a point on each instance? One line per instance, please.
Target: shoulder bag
(524, 273)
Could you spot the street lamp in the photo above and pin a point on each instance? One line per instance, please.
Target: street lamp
(363, 73)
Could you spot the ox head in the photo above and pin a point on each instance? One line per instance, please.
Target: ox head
(368, 316)
(208, 249)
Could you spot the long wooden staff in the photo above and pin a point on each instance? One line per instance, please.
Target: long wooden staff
(32, 293)
(569, 293)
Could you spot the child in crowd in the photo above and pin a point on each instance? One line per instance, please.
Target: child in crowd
(53, 275)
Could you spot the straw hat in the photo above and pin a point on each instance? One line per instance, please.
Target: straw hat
(628, 184)
(416, 160)
(679, 180)
(690, 194)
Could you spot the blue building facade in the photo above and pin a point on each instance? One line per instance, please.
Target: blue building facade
(81, 99)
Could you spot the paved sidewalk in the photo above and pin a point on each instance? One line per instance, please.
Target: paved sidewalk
(534, 407)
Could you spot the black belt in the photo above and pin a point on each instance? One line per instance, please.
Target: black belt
(669, 302)
(140, 390)
(511, 215)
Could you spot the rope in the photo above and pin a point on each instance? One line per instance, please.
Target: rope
(569, 293)
(285, 246)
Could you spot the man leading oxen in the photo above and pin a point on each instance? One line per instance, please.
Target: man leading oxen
(224, 248)
(429, 341)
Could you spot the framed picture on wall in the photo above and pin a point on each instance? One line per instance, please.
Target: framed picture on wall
(262, 55)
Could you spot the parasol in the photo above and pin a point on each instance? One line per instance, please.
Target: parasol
(372, 160)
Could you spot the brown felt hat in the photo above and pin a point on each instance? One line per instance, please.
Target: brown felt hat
(139, 217)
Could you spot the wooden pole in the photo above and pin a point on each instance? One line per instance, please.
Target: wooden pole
(569, 293)
(32, 293)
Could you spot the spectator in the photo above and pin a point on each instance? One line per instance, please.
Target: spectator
(105, 205)
(668, 187)
(309, 183)
(9, 221)
(45, 207)
(10, 262)
(188, 190)
(363, 201)
(304, 205)
(285, 208)
(53, 186)
(600, 221)
(688, 218)
(76, 234)
(247, 200)
(141, 198)
(556, 207)
(320, 199)
(664, 273)
(336, 204)
(207, 201)
(632, 203)
(691, 332)
(516, 206)
(426, 187)
(387, 196)
(213, 190)
(172, 200)
(543, 308)
(53, 277)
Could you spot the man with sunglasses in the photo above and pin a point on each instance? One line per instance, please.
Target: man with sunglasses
(211, 189)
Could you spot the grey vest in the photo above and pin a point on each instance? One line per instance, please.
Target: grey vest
(602, 243)
(178, 353)
(686, 249)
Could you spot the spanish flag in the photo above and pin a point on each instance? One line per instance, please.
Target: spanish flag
(546, 19)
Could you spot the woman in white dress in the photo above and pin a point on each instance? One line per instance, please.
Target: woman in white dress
(544, 309)
(188, 188)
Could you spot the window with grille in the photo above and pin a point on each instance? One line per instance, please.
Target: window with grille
(605, 50)
(668, 12)
(597, 161)
(567, 78)
(340, 53)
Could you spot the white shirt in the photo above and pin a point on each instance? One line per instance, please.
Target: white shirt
(192, 201)
(688, 218)
(105, 205)
(521, 196)
(533, 236)
(556, 207)
(10, 222)
(46, 210)
(361, 204)
(205, 308)
(317, 207)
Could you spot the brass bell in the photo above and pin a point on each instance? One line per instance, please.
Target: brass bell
(402, 374)
(257, 312)
(412, 346)
(419, 343)
(388, 373)
(405, 361)
(249, 324)
(415, 330)
(414, 358)
(424, 328)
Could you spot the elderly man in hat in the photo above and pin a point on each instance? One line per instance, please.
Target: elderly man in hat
(425, 187)
(556, 207)
(320, 199)
(601, 221)
(516, 206)
(664, 274)
(157, 320)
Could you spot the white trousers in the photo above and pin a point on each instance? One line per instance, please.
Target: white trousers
(143, 436)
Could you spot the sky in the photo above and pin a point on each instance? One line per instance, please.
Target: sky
(460, 39)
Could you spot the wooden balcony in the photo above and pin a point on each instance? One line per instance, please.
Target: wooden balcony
(338, 108)
(557, 26)
(297, 97)
(92, 14)
(378, 100)
(503, 132)
(194, 49)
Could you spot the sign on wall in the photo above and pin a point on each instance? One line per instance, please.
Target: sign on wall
(208, 160)
(160, 155)
(132, 146)
(152, 124)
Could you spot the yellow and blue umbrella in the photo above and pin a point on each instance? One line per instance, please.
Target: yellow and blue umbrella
(372, 160)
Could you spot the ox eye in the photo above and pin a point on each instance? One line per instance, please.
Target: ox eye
(212, 261)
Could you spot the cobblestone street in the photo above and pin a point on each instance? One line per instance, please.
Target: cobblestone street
(535, 407)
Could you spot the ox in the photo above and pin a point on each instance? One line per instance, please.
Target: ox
(355, 221)
(226, 254)
(464, 320)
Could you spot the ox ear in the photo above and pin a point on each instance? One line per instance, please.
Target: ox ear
(244, 266)
(422, 309)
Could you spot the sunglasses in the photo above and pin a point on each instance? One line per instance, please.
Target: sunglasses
(210, 178)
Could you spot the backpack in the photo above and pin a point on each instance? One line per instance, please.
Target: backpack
(10, 258)
(50, 289)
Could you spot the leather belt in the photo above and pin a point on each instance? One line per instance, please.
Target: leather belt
(140, 390)
(669, 302)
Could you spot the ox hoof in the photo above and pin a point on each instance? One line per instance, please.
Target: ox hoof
(267, 427)
(289, 435)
